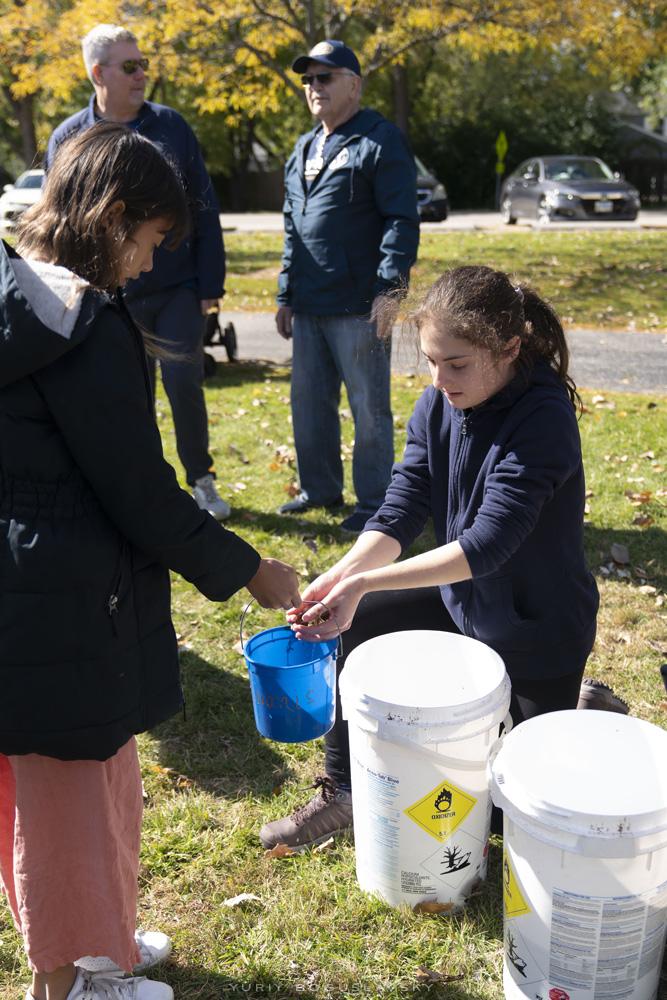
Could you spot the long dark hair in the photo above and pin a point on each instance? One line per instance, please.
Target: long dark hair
(91, 171)
(485, 308)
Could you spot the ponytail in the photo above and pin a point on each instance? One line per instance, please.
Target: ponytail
(544, 337)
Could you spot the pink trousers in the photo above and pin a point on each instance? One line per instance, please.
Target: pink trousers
(69, 855)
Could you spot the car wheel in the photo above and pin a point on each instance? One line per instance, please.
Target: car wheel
(544, 216)
(506, 212)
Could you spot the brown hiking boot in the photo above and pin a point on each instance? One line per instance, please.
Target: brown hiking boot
(595, 694)
(329, 812)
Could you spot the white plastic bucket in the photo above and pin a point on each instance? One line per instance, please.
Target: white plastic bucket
(585, 856)
(424, 709)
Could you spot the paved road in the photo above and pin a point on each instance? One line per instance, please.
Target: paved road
(606, 360)
(609, 361)
(272, 222)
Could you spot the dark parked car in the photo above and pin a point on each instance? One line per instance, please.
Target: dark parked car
(432, 198)
(547, 188)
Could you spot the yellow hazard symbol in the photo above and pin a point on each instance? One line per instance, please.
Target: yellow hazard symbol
(514, 903)
(441, 811)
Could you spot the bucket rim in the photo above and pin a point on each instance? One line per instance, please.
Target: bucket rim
(493, 703)
(329, 647)
(562, 811)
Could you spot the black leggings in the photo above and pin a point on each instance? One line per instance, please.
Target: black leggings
(402, 610)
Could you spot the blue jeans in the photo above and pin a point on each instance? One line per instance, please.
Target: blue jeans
(174, 315)
(328, 351)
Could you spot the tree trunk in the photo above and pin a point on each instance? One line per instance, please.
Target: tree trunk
(401, 97)
(23, 109)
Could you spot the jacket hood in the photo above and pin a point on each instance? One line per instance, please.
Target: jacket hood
(45, 310)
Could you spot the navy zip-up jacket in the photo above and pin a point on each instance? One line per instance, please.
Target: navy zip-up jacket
(354, 233)
(506, 480)
(199, 261)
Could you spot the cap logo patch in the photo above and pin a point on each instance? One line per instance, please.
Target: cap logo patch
(321, 49)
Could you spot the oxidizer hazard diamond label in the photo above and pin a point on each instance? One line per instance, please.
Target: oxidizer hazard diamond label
(442, 811)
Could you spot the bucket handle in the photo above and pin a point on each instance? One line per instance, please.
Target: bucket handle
(459, 763)
(508, 725)
(339, 651)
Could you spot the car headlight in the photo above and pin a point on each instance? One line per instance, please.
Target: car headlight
(439, 193)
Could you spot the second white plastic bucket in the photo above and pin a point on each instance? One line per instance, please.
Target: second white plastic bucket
(424, 709)
(585, 856)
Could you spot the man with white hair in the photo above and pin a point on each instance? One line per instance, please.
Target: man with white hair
(173, 299)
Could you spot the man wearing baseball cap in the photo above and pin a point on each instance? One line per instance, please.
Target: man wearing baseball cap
(351, 237)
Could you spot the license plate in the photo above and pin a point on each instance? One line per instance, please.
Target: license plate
(604, 206)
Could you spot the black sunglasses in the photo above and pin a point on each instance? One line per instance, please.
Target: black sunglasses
(308, 78)
(130, 66)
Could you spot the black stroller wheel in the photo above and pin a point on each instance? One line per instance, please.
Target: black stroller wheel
(229, 340)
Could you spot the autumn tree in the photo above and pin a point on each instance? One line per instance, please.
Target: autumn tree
(233, 57)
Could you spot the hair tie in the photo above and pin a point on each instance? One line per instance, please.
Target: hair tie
(519, 292)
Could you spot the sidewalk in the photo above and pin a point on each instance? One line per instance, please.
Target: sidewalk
(612, 360)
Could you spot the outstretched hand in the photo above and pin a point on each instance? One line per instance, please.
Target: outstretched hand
(275, 585)
(333, 611)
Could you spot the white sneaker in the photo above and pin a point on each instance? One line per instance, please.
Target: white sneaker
(112, 988)
(154, 948)
(208, 498)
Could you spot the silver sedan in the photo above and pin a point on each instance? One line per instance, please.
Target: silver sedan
(548, 188)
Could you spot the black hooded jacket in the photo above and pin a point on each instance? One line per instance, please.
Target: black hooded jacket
(91, 521)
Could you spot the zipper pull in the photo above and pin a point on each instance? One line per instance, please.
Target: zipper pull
(112, 606)
(464, 427)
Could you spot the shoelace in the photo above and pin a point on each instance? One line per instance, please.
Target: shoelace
(328, 789)
(108, 987)
(209, 491)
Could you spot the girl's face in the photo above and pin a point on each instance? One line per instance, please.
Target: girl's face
(136, 252)
(466, 375)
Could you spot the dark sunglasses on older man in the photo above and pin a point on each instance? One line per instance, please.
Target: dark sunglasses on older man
(308, 78)
(130, 66)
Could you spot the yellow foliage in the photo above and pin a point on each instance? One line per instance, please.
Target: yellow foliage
(238, 52)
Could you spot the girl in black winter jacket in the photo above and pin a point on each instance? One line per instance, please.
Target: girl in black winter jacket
(91, 521)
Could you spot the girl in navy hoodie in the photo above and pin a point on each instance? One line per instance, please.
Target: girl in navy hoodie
(493, 456)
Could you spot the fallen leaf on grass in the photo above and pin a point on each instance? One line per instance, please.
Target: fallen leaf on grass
(280, 851)
(182, 782)
(245, 897)
(238, 648)
(231, 450)
(326, 846)
(620, 553)
(646, 589)
(637, 498)
(428, 907)
(660, 645)
(643, 520)
(311, 544)
(292, 489)
(424, 975)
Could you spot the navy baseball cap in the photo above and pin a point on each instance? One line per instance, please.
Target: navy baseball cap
(329, 53)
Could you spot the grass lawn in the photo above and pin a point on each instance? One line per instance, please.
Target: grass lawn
(308, 931)
(614, 279)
